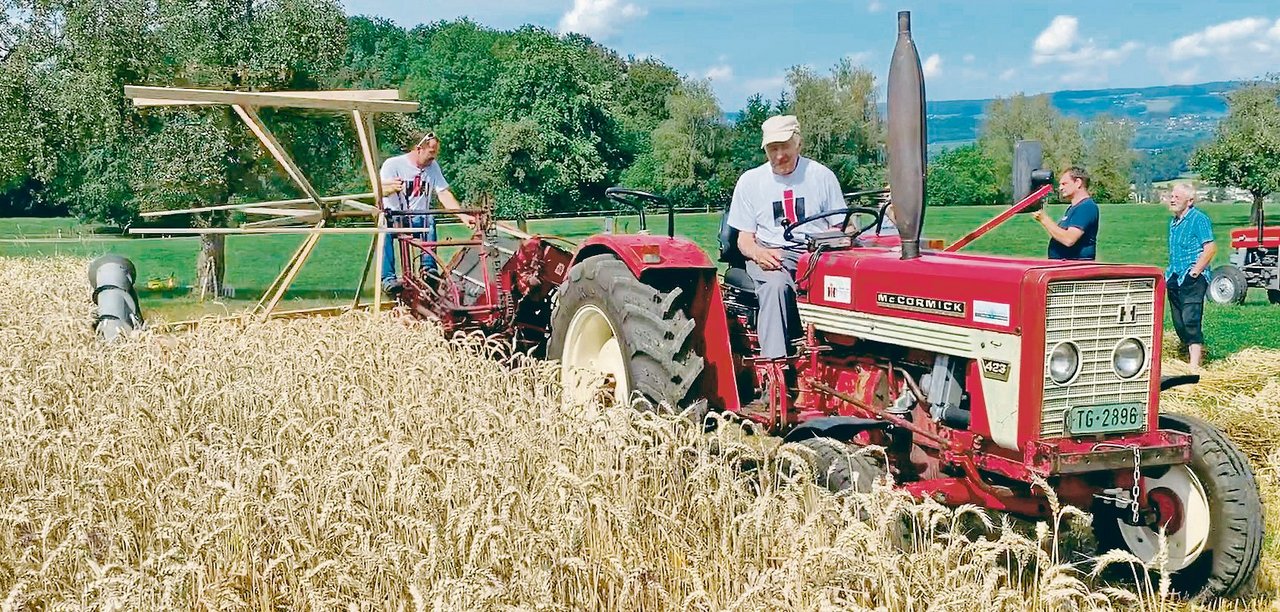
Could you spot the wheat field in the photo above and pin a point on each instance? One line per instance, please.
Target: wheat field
(367, 463)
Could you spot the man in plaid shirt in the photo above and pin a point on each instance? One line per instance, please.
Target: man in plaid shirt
(1191, 248)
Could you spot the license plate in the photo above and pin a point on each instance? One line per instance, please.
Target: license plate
(1107, 418)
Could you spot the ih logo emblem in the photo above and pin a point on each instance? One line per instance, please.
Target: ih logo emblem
(1128, 314)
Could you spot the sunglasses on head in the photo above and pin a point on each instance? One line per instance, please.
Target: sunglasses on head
(429, 136)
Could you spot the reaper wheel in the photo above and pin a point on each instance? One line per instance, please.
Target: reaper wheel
(606, 321)
(1229, 285)
(1211, 512)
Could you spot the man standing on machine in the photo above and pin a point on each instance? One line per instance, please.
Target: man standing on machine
(412, 179)
(766, 199)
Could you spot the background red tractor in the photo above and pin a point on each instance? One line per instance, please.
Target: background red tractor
(1255, 262)
(981, 376)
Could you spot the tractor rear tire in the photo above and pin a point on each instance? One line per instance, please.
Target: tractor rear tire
(838, 467)
(607, 318)
(1273, 295)
(1232, 544)
(1229, 285)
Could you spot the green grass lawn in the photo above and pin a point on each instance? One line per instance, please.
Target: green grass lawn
(1130, 233)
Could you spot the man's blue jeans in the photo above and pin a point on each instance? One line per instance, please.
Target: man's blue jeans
(389, 245)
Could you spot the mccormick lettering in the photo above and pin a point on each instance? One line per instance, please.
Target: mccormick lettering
(946, 308)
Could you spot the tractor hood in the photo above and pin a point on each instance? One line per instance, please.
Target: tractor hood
(965, 290)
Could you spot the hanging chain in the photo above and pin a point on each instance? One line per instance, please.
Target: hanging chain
(1137, 479)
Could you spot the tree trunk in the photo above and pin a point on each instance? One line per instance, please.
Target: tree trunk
(211, 266)
(1255, 215)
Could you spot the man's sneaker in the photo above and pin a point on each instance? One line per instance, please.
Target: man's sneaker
(392, 285)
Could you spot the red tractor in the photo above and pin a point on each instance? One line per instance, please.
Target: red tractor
(1255, 262)
(979, 375)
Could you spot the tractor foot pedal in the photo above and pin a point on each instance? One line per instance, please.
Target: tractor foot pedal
(756, 411)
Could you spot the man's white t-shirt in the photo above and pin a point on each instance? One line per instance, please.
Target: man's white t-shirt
(420, 184)
(765, 203)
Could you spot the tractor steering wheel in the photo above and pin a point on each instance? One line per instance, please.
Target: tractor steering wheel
(848, 213)
(636, 199)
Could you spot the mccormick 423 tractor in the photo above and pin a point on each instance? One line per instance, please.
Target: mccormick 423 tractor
(980, 375)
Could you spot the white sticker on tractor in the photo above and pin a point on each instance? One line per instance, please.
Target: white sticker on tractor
(994, 313)
(838, 289)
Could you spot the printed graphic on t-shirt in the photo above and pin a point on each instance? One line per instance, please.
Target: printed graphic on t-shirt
(788, 210)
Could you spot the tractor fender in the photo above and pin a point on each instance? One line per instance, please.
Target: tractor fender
(681, 264)
(842, 428)
(643, 252)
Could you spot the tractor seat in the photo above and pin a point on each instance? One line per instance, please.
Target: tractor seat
(736, 276)
(740, 280)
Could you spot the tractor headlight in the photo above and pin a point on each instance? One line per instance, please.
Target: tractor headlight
(1064, 362)
(1128, 357)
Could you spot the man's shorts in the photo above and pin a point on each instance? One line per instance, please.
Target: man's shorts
(1186, 306)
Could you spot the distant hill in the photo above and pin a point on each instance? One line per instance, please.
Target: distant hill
(1166, 116)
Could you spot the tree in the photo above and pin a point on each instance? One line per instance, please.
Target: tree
(1028, 118)
(1245, 153)
(688, 146)
(91, 150)
(557, 143)
(962, 176)
(1109, 158)
(839, 121)
(744, 148)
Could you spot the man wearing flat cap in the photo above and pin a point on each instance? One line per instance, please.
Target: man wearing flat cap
(767, 199)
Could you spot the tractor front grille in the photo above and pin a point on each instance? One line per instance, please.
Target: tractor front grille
(1096, 315)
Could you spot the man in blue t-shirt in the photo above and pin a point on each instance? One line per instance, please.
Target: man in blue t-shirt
(1075, 235)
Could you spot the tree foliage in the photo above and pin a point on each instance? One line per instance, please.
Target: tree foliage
(1109, 158)
(689, 145)
(962, 176)
(1245, 153)
(839, 121)
(1023, 117)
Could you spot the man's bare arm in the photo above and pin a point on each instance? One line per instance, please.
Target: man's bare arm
(451, 203)
(767, 259)
(1206, 256)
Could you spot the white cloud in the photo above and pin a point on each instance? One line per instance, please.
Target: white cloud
(1061, 42)
(875, 6)
(1222, 39)
(1238, 49)
(968, 58)
(599, 19)
(720, 72)
(1061, 35)
(1009, 74)
(859, 58)
(932, 66)
(768, 86)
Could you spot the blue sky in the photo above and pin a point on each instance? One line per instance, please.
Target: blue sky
(970, 49)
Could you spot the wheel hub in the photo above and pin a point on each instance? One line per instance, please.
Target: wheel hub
(1182, 509)
(1168, 509)
(592, 351)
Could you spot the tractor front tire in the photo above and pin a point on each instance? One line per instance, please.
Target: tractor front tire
(838, 466)
(1229, 285)
(1219, 539)
(607, 321)
(1273, 295)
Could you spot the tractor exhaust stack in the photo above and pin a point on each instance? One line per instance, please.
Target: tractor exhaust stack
(906, 138)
